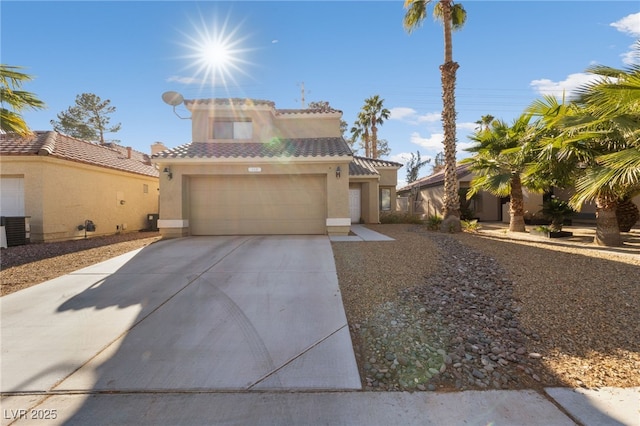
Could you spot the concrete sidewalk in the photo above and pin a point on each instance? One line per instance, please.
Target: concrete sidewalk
(362, 233)
(603, 407)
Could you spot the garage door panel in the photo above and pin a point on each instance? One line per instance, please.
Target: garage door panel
(231, 205)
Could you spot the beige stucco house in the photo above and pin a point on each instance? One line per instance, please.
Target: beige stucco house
(425, 195)
(60, 182)
(255, 169)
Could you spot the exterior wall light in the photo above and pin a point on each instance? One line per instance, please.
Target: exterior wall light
(167, 171)
(338, 172)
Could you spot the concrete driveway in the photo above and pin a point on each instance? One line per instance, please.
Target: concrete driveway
(192, 314)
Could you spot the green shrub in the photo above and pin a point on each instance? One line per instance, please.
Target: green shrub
(470, 225)
(433, 222)
(400, 217)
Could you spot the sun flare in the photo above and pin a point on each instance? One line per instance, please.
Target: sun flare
(215, 54)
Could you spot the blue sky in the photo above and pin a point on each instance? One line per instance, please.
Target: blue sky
(510, 53)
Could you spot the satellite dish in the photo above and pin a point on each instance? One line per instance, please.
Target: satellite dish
(172, 98)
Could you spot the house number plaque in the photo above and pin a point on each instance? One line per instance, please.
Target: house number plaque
(255, 169)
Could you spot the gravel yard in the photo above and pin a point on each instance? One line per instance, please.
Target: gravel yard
(24, 266)
(432, 311)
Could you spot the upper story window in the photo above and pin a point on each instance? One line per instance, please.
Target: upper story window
(229, 129)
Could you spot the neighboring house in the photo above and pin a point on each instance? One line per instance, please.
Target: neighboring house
(60, 182)
(255, 169)
(425, 197)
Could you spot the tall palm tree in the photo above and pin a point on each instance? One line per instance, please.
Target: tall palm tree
(453, 17)
(597, 138)
(376, 114)
(360, 130)
(502, 152)
(11, 79)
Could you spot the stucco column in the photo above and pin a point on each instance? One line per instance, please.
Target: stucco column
(338, 217)
(174, 215)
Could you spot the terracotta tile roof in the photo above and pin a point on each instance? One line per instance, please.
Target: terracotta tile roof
(436, 179)
(307, 111)
(258, 102)
(359, 167)
(310, 147)
(230, 101)
(362, 166)
(377, 162)
(111, 156)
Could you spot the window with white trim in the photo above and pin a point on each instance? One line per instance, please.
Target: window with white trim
(385, 199)
(229, 129)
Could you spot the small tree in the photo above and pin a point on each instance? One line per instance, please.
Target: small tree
(17, 100)
(325, 107)
(88, 119)
(383, 148)
(438, 163)
(414, 165)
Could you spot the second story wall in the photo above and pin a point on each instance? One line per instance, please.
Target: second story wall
(230, 121)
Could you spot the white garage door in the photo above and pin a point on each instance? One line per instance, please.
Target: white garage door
(258, 205)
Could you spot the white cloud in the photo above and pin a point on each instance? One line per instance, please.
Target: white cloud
(630, 25)
(468, 126)
(567, 86)
(404, 157)
(432, 142)
(402, 113)
(411, 116)
(631, 57)
(183, 80)
(461, 146)
(430, 117)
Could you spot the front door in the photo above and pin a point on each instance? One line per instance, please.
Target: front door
(354, 204)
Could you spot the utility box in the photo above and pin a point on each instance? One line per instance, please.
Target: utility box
(152, 221)
(16, 229)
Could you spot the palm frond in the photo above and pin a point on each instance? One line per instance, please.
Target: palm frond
(11, 122)
(415, 15)
(621, 168)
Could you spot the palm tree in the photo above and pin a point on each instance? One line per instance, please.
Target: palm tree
(453, 17)
(360, 130)
(484, 122)
(18, 100)
(597, 140)
(376, 114)
(502, 152)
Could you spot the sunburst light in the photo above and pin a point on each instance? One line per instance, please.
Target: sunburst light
(215, 54)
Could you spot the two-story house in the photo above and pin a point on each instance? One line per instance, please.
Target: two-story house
(255, 169)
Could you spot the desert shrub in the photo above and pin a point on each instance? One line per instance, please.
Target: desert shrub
(470, 225)
(400, 217)
(433, 222)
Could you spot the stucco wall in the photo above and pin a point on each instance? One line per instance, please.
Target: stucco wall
(60, 195)
(266, 125)
(309, 126)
